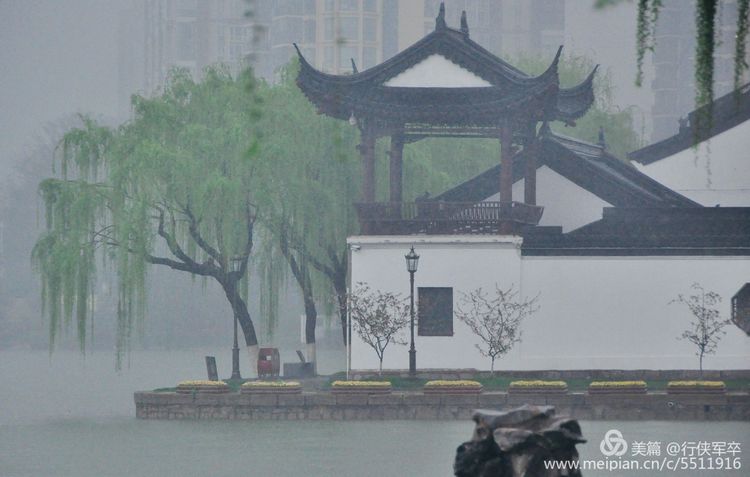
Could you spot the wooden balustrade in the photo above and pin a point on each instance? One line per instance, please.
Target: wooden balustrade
(438, 217)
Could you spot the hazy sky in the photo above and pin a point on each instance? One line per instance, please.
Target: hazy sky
(608, 37)
(59, 57)
(56, 57)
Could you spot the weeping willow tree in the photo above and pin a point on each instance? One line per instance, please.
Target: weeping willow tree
(310, 195)
(707, 14)
(174, 187)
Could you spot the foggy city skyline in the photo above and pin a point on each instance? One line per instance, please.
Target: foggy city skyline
(62, 58)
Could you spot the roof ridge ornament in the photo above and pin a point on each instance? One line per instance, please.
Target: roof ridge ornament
(440, 20)
(464, 24)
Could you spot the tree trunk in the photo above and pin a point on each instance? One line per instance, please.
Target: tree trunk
(492, 366)
(700, 364)
(339, 286)
(311, 319)
(301, 274)
(380, 369)
(239, 309)
(252, 353)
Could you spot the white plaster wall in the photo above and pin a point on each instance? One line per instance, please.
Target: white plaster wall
(436, 71)
(599, 312)
(458, 261)
(595, 312)
(565, 203)
(718, 172)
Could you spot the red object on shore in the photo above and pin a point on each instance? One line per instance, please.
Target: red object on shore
(269, 362)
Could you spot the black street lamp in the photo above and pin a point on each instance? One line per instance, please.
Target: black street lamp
(412, 260)
(235, 265)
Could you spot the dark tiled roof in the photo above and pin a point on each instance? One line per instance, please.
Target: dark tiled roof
(651, 231)
(512, 91)
(587, 165)
(728, 111)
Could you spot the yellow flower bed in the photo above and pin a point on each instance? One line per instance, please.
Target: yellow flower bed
(617, 384)
(354, 384)
(271, 384)
(457, 383)
(202, 383)
(697, 384)
(538, 384)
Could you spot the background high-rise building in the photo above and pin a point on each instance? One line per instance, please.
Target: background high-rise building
(330, 33)
(157, 35)
(193, 34)
(505, 27)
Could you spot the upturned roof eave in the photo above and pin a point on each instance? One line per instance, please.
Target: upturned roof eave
(454, 45)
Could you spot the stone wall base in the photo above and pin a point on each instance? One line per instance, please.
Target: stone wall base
(416, 405)
(596, 374)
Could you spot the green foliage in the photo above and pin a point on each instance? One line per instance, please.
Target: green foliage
(740, 47)
(174, 186)
(705, 16)
(706, 13)
(438, 164)
(648, 14)
(617, 123)
(310, 165)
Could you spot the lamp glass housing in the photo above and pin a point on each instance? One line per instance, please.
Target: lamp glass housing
(412, 261)
(235, 264)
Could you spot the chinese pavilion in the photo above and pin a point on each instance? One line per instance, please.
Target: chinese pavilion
(611, 249)
(447, 85)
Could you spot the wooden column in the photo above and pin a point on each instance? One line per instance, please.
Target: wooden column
(506, 165)
(529, 188)
(396, 167)
(367, 150)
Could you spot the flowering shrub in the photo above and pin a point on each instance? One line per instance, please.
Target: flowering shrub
(202, 383)
(457, 383)
(617, 384)
(700, 387)
(696, 384)
(453, 387)
(202, 386)
(539, 384)
(355, 384)
(618, 387)
(271, 384)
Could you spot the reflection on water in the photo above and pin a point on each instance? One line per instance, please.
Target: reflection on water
(73, 418)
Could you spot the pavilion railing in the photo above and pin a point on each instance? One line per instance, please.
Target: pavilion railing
(438, 217)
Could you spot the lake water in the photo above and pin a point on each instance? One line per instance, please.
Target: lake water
(73, 417)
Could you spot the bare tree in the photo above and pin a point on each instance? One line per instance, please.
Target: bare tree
(496, 318)
(378, 317)
(707, 328)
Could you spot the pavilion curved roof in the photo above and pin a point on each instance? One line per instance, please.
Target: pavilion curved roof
(510, 93)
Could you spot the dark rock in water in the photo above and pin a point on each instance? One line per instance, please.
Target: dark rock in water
(518, 442)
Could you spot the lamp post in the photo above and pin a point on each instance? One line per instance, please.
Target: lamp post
(412, 260)
(235, 265)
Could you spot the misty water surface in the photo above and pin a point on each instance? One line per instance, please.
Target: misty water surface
(72, 417)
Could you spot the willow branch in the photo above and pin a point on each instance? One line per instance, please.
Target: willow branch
(188, 264)
(195, 234)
